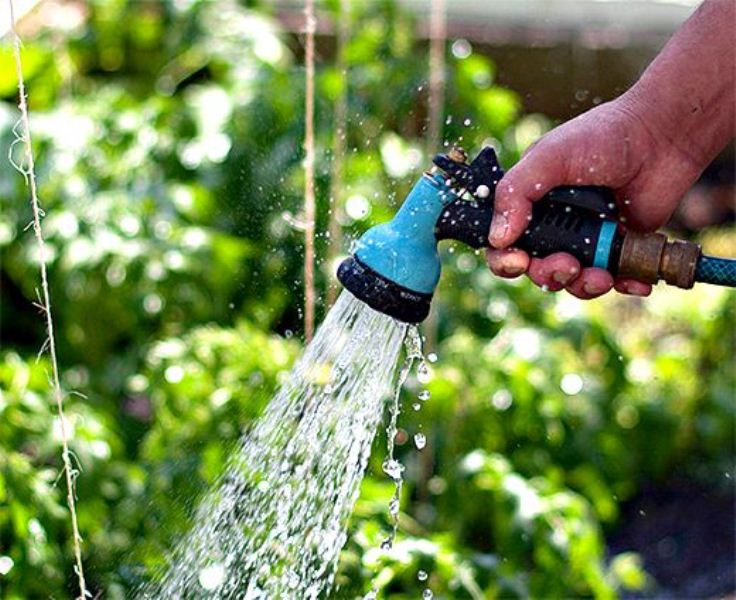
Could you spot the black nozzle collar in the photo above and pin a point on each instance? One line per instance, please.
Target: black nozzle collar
(381, 293)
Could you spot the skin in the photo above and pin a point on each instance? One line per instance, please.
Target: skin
(649, 145)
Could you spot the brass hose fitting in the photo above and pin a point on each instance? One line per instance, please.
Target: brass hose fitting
(649, 257)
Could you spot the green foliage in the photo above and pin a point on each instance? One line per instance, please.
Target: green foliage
(168, 142)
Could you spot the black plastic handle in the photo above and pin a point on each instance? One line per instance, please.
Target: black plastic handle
(567, 219)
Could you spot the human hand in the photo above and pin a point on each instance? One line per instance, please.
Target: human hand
(613, 145)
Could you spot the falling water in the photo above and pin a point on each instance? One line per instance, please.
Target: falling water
(274, 525)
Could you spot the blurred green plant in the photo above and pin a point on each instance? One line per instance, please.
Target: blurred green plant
(168, 138)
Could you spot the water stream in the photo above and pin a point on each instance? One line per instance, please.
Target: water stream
(275, 523)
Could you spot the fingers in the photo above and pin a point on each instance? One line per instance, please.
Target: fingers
(509, 262)
(632, 287)
(591, 284)
(561, 271)
(555, 271)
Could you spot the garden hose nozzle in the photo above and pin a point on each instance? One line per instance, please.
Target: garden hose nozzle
(395, 266)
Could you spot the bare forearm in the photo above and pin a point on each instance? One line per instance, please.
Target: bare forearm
(688, 94)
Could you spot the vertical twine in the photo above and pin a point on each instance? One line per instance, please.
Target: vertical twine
(435, 110)
(309, 201)
(28, 169)
(338, 146)
(437, 39)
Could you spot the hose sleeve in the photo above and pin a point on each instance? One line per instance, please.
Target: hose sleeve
(715, 270)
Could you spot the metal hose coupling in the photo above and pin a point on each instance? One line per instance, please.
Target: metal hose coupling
(650, 257)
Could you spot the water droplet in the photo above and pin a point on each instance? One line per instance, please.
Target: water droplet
(502, 399)
(423, 374)
(420, 441)
(461, 49)
(467, 122)
(571, 384)
(210, 578)
(483, 191)
(393, 468)
(423, 395)
(372, 595)
(6, 563)
(432, 357)
(427, 594)
(393, 507)
(422, 575)
(416, 406)
(386, 544)
(288, 334)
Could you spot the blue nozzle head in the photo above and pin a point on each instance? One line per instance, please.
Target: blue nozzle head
(395, 266)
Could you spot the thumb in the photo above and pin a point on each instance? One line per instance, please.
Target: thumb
(541, 169)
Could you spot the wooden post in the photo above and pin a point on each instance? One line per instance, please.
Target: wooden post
(309, 200)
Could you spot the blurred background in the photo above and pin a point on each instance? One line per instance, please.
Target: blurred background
(574, 449)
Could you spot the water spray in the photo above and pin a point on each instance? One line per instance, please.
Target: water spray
(395, 266)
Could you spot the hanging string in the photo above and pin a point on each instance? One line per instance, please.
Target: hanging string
(435, 110)
(338, 145)
(309, 201)
(27, 168)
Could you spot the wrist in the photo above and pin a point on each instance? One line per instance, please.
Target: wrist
(687, 96)
(692, 124)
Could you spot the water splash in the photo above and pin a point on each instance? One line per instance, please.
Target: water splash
(392, 467)
(275, 523)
